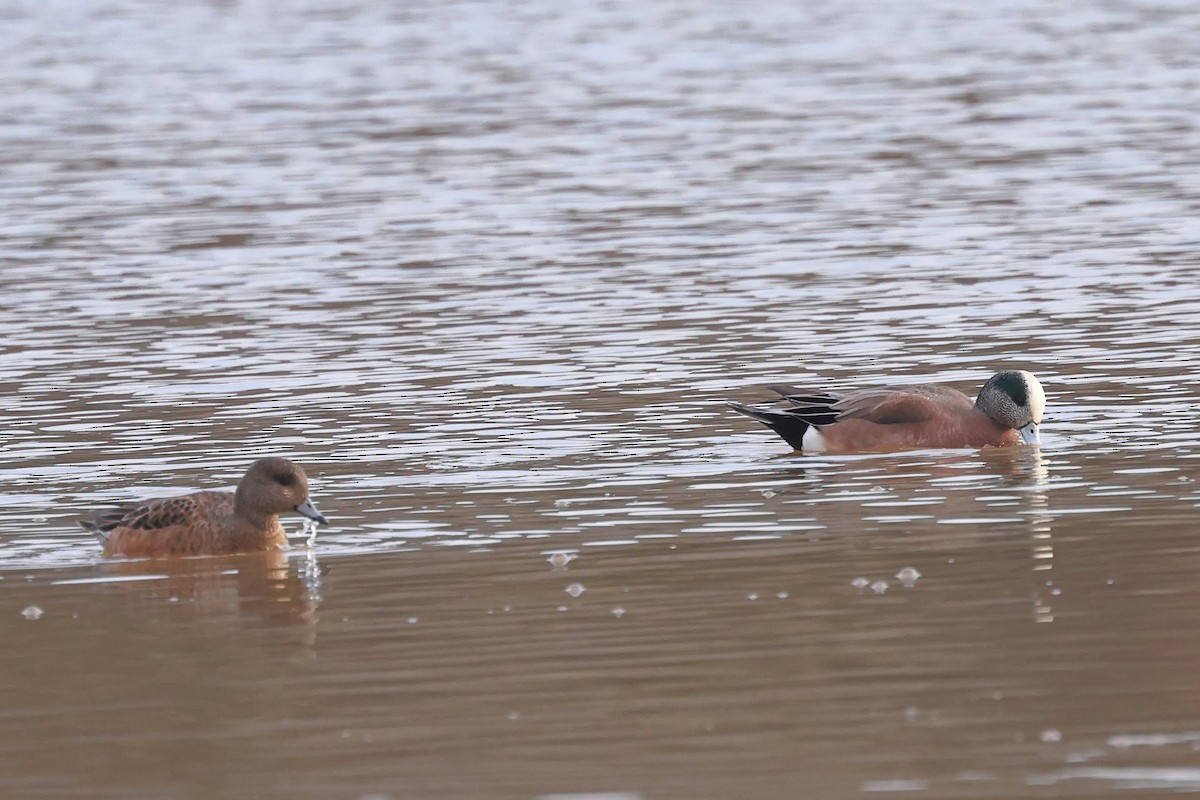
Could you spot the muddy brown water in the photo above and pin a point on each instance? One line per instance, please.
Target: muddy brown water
(489, 271)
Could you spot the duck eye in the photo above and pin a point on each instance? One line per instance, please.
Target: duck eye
(285, 480)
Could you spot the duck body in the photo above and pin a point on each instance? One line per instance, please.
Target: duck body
(209, 522)
(1007, 411)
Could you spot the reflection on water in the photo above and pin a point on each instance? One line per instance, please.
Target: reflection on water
(261, 584)
(489, 272)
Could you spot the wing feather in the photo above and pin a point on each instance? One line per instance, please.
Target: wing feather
(899, 405)
(153, 515)
(889, 405)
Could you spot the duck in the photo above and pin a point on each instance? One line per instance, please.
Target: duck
(1007, 411)
(210, 522)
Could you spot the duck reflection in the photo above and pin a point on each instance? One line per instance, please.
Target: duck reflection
(1015, 466)
(268, 585)
(1019, 466)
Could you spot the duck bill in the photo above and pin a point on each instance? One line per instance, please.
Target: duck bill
(307, 509)
(1029, 434)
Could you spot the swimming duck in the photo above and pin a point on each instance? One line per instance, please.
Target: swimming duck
(210, 523)
(1008, 410)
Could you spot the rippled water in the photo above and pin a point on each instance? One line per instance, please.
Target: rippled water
(488, 271)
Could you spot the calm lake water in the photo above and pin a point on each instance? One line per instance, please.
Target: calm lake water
(488, 271)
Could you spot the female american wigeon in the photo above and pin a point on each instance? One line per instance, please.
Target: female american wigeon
(1008, 410)
(210, 523)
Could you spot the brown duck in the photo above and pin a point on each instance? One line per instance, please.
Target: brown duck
(1007, 411)
(210, 523)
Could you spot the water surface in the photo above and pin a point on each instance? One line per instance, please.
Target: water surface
(489, 271)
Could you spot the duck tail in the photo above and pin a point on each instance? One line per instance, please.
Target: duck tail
(91, 527)
(102, 523)
(791, 427)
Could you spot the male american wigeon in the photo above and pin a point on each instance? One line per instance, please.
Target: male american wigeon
(1008, 410)
(210, 523)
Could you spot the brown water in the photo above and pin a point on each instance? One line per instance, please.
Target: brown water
(488, 271)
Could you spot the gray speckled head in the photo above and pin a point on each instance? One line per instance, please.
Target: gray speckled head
(273, 486)
(1016, 400)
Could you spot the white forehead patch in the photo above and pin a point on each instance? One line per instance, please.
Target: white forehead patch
(1037, 396)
